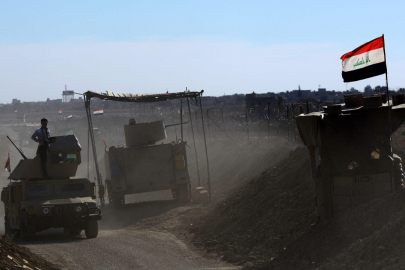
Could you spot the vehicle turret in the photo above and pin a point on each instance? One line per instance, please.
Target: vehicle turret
(144, 133)
(63, 160)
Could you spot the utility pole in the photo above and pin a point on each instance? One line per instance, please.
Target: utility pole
(247, 125)
(268, 120)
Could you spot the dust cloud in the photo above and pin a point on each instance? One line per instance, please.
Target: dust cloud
(237, 147)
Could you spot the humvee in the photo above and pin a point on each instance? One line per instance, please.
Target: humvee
(33, 204)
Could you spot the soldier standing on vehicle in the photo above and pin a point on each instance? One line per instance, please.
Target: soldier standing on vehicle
(41, 136)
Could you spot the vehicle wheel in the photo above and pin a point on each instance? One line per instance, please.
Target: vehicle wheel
(91, 229)
(27, 227)
(189, 192)
(175, 193)
(117, 200)
(184, 193)
(75, 231)
(7, 228)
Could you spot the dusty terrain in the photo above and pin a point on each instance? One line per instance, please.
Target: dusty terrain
(262, 217)
(122, 249)
(16, 257)
(156, 235)
(269, 223)
(266, 223)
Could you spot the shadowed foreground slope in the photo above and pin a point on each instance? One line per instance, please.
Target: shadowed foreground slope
(270, 224)
(13, 256)
(262, 217)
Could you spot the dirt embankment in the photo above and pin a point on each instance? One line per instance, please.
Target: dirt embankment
(270, 224)
(263, 217)
(13, 256)
(232, 165)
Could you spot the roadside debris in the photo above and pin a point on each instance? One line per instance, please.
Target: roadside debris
(13, 256)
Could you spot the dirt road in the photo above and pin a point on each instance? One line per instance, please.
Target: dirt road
(122, 249)
(127, 247)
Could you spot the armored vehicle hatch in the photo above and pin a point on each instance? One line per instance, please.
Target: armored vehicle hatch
(144, 133)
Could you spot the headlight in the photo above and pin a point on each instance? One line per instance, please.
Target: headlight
(45, 210)
(78, 208)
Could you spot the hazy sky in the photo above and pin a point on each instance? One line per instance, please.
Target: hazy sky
(223, 47)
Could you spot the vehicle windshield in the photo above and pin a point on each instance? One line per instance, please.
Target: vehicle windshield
(64, 158)
(70, 190)
(38, 191)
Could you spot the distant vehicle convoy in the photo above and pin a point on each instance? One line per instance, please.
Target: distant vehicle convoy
(32, 204)
(144, 166)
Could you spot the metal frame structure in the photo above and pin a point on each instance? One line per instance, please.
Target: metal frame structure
(108, 95)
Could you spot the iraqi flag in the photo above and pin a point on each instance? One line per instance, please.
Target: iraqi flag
(60, 111)
(70, 116)
(106, 147)
(98, 112)
(364, 62)
(7, 166)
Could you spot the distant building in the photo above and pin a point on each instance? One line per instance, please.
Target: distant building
(321, 91)
(227, 100)
(260, 102)
(15, 101)
(67, 95)
(208, 101)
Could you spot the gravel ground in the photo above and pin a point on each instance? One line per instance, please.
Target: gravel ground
(13, 256)
(121, 249)
(154, 242)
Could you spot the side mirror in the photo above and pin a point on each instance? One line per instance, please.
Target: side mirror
(93, 192)
(101, 190)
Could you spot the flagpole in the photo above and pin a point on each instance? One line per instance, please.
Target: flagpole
(9, 165)
(388, 97)
(389, 115)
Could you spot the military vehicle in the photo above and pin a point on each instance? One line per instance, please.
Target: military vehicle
(33, 204)
(143, 166)
(350, 151)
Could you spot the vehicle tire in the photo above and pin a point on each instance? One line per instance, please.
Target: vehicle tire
(189, 192)
(175, 193)
(74, 231)
(117, 200)
(27, 227)
(91, 230)
(7, 228)
(184, 193)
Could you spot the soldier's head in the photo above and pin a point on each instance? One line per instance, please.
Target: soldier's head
(44, 122)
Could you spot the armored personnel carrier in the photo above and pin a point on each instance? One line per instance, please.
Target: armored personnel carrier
(33, 204)
(145, 166)
(350, 151)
